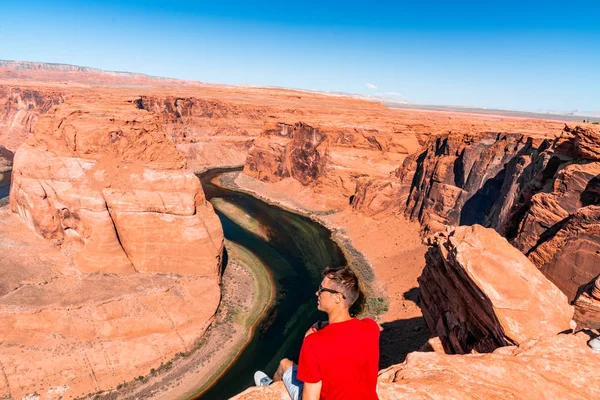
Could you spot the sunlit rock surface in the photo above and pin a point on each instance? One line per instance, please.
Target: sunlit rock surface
(124, 273)
(478, 293)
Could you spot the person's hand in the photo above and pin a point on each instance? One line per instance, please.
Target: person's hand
(315, 327)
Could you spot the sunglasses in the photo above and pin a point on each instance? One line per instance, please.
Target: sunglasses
(324, 289)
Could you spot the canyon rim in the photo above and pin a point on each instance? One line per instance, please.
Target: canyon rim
(478, 233)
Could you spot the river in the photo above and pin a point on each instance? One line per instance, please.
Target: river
(4, 184)
(296, 252)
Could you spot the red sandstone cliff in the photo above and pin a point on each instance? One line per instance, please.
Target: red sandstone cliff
(136, 278)
(329, 160)
(20, 109)
(540, 194)
(208, 132)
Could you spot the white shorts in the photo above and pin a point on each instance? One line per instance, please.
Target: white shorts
(292, 384)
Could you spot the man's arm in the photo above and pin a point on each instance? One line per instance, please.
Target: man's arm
(312, 391)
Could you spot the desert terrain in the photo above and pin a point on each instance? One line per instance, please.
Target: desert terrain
(480, 231)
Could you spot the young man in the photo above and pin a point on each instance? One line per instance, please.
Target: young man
(340, 360)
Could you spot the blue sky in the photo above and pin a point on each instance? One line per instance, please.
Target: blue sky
(527, 55)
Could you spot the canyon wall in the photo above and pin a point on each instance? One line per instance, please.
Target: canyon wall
(207, 132)
(541, 194)
(330, 161)
(135, 252)
(20, 108)
(108, 185)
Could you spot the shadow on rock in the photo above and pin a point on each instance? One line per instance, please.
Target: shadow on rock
(399, 338)
(413, 295)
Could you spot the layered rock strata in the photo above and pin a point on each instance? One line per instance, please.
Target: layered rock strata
(20, 108)
(112, 187)
(587, 306)
(478, 293)
(140, 248)
(541, 194)
(330, 161)
(208, 133)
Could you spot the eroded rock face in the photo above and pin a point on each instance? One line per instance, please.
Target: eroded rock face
(20, 108)
(461, 179)
(329, 160)
(528, 190)
(587, 305)
(125, 271)
(207, 132)
(569, 253)
(478, 293)
(112, 190)
(300, 154)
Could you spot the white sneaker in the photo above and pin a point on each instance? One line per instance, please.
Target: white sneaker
(262, 379)
(595, 344)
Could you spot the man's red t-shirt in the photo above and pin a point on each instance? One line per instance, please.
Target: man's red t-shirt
(345, 357)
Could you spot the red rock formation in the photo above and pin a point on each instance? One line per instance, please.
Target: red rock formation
(460, 179)
(528, 190)
(110, 186)
(569, 252)
(20, 109)
(331, 161)
(299, 153)
(208, 133)
(478, 293)
(137, 275)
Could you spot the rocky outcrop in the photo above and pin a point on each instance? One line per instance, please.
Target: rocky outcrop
(207, 132)
(478, 293)
(559, 367)
(138, 252)
(569, 252)
(113, 190)
(20, 108)
(299, 153)
(460, 179)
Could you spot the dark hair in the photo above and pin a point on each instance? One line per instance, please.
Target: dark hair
(345, 281)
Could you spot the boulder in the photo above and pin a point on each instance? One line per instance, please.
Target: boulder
(479, 293)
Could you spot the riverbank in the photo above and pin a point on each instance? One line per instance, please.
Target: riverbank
(247, 292)
(388, 253)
